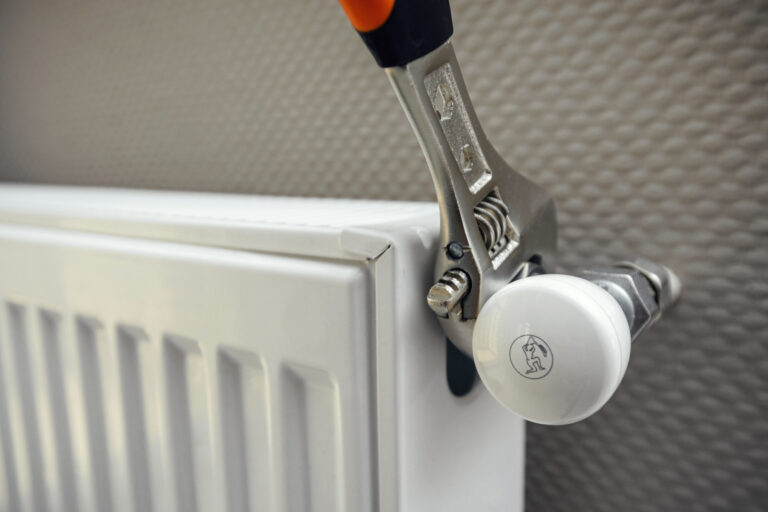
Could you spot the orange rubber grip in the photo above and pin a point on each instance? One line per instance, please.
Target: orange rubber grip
(367, 15)
(399, 31)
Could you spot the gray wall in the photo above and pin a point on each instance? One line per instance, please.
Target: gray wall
(648, 120)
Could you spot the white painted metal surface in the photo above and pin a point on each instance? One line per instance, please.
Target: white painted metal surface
(176, 351)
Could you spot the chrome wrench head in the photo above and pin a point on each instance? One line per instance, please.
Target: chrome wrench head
(495, 223)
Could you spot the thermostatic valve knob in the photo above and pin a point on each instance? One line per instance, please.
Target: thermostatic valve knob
(551, 348)
(554, 348)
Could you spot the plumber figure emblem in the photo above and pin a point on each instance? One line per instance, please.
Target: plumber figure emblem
(531, 357)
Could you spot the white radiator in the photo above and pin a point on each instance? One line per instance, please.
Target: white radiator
(176, 351)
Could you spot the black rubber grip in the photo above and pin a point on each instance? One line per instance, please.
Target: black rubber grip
(413, 29)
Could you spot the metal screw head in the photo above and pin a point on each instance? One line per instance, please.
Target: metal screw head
(455, 250)
(446, 294)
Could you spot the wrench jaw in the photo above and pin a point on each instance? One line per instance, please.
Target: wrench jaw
(535, 224)
(494, 221)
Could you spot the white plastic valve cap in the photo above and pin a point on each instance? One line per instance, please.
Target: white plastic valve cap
(551, 348)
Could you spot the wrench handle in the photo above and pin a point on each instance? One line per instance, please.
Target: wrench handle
(400, 31)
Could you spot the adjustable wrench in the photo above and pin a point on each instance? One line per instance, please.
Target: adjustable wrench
(494, 221)
(498, 234)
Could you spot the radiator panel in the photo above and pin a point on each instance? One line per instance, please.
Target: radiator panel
(171, 351)
(138, 376)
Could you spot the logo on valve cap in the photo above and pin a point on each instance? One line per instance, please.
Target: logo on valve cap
(531, 357)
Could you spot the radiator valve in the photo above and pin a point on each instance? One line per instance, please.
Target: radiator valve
(553, 348)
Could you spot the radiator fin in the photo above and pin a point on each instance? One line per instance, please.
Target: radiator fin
(50, 351)
(18, 324)
(9, 429)
(312, 451)
(90, 345)
(245, 409)
(188, 420)
(129, 341)
(97, 415)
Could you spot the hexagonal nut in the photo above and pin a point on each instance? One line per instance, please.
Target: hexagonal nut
(665, 283)
(634, 293)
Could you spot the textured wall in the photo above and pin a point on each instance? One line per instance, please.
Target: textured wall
(648, 120)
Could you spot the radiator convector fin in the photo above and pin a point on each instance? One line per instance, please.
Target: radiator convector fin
(12, 496)
(188, 415)
(91, 351)
(312, 451)
(27, 391)
(63, 482)
(244, 412)
(129, 344)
